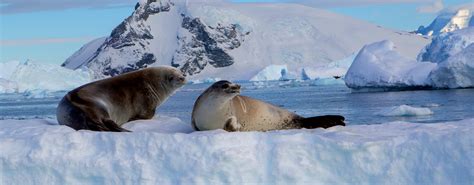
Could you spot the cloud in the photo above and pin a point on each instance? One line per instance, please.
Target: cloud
(26, 6)
(41, 41)
(431, 8)
(455, 8)
(346, 3)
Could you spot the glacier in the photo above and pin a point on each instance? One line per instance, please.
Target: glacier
(445, 63)
(34, 77)
(166, 151)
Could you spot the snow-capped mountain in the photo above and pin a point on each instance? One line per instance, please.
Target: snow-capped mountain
(449, 21)
(231, 40)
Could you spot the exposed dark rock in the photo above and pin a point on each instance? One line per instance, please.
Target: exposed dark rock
(207, 45)
(146, 60)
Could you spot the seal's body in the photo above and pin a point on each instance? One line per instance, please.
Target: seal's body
(221, 107)
(107, 104)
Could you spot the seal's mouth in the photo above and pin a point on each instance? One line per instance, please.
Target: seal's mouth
(233, 89)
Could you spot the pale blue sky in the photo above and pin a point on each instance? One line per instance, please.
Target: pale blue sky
(51, 30)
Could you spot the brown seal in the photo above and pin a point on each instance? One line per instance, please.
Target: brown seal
(107, 104)
(221, 107)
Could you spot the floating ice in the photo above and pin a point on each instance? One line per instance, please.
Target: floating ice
(405, 110)
(446, 63)
(379, 65)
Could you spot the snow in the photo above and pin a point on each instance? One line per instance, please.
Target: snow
(449, 20)
(445, 63)
(207, 80)
(405, 110)
(34, 77)
(160, 124)
(84, 54)
(41, 152)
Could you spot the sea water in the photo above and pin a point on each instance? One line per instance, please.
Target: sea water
(304, 98)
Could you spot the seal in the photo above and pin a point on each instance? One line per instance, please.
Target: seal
(107, 104)
(222, 107)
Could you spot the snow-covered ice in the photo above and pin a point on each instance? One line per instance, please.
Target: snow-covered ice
(405, 110)
(21, 77)
(41, 152)
(160, 124)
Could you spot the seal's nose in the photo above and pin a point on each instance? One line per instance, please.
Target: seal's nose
(235, 87)
(181, 79)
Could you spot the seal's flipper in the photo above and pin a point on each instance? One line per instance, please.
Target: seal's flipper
(322, 121)
(232, 125)
(112, 126)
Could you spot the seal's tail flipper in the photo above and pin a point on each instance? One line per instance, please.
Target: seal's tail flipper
(322, 121)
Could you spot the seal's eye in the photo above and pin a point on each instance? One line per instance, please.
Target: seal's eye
(170, 78)
(225, 86)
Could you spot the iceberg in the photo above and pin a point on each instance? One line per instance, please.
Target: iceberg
(405, 110)
(165, 151)
(378, 65)
(445, 63)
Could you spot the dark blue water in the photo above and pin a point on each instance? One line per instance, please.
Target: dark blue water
(302, 98)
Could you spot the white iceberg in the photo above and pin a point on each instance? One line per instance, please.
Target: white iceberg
(405, 110)
(378, 65)
(448, 62)
(42, 152)
(19, 77)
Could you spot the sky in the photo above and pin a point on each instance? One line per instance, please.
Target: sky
(50, 31)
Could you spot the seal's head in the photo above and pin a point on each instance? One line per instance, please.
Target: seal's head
(168, 77)
(176, 78)
(226, 88)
